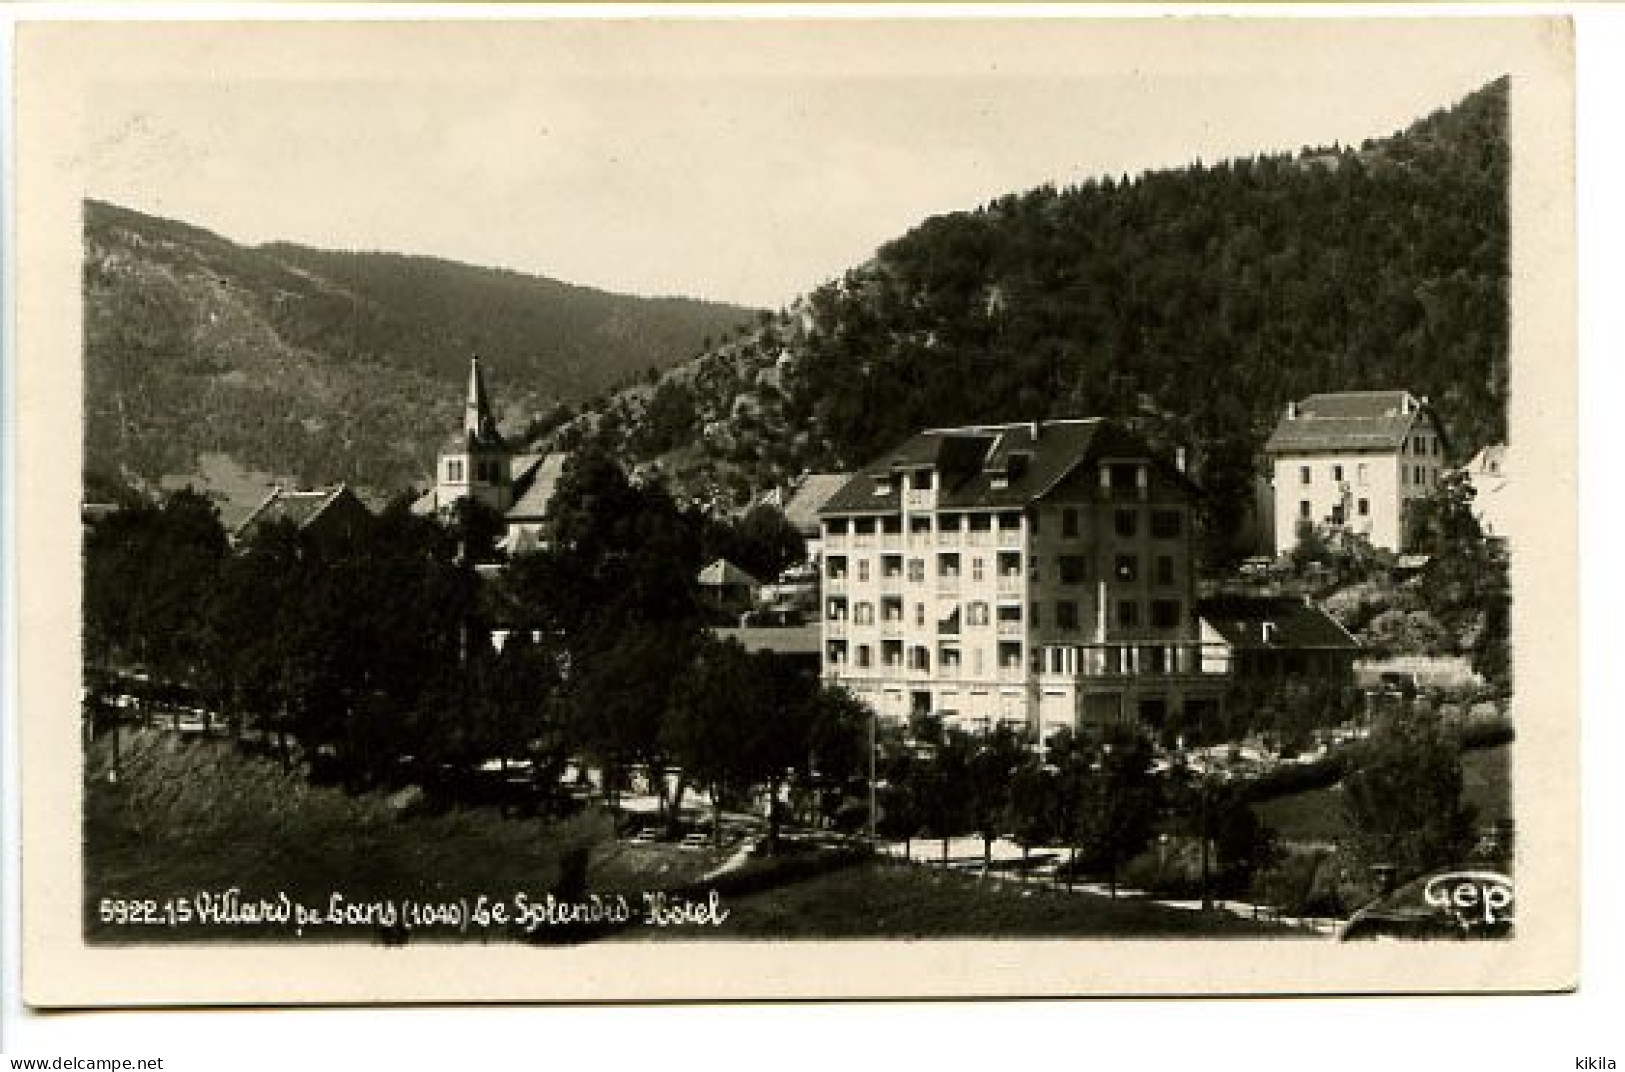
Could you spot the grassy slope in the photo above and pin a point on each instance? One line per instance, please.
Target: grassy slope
(1317, 816)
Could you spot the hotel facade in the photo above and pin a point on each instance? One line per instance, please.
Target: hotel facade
(1036, 574)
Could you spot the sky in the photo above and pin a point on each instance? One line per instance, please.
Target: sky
(734, 160)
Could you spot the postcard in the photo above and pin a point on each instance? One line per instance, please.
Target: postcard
(750, 505)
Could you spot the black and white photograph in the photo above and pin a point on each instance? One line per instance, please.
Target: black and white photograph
(875, 490)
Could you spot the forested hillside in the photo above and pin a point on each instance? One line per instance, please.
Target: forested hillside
(1192, 303)
(330, 365)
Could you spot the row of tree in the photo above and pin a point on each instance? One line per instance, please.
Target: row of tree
(391, 655)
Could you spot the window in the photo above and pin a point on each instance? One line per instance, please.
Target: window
(891, 609)
(1009, 521)
(1419, 479)
(1364, 507)
(863, 655)
(1303, 508)
(864, 614)
(1035, 615)
(1128, 567)
(1165, 524)
(891, 566)
(837, 652)
(920, 480)
(836, 567)
(948, 566)
(1066, 616)
(1165, 613)
(1009, 563)
(948, 657)
(1337, 473)
(919, 614)
(1435, 442)
(863, 569)
(1165, 569)
(454, 471)
(976, 569)
(976, 613)
(837, 610)
(1074, 569)
(891, 652)
(919, 525)
(1362, 474)
(1128, 614)
(1009, 656)
(837, 526)
(1303, 474)
(1069, 523)
(1034, 573)
(916, 570)
(948, 522)
(1337, 513)
(1127, 523)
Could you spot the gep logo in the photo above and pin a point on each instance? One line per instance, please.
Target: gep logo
(1475, 899)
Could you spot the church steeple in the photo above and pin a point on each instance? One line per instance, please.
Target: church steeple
(479, 425)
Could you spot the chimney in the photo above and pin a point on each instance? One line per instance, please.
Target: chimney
(1035, 427)
(1292, 411)
(1179, 459)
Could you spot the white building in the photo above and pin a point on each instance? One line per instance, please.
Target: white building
(1038, 574)
(1354, 460)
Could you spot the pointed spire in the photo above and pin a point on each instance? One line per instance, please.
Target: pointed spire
(478, 423)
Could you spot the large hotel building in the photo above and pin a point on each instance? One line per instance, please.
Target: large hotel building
(1038, 574)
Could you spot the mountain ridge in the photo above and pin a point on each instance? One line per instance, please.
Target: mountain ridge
(331, 364)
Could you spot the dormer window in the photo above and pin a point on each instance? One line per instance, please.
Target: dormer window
(883, 485)
(920, 480)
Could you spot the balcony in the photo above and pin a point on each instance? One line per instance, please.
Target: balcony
(1011, 584)
(1012, 629)
(836, 583)
(920, 498)
(835, 541)
(1010, 538)
(948, 538)
(948, 585)
(891, 627)
(835, 627)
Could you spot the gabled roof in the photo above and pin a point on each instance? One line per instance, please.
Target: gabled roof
(810, 495)
(724, 574)
(992, 466)
(1292, 623)
(301, 508)
(535, 484)
(1347, 421)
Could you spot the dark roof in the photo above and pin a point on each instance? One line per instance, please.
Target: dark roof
(783, 640)
(298, 507)
(722, 573)
(1347, 421)
(815, 490)
(1031, 457)
(1294, 622)
(535, 480)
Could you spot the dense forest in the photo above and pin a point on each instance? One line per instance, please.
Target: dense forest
(1190, 303)
(327, 365)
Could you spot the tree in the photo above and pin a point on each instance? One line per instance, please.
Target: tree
(993, 760)
(1402, 802)
(1118, 804)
